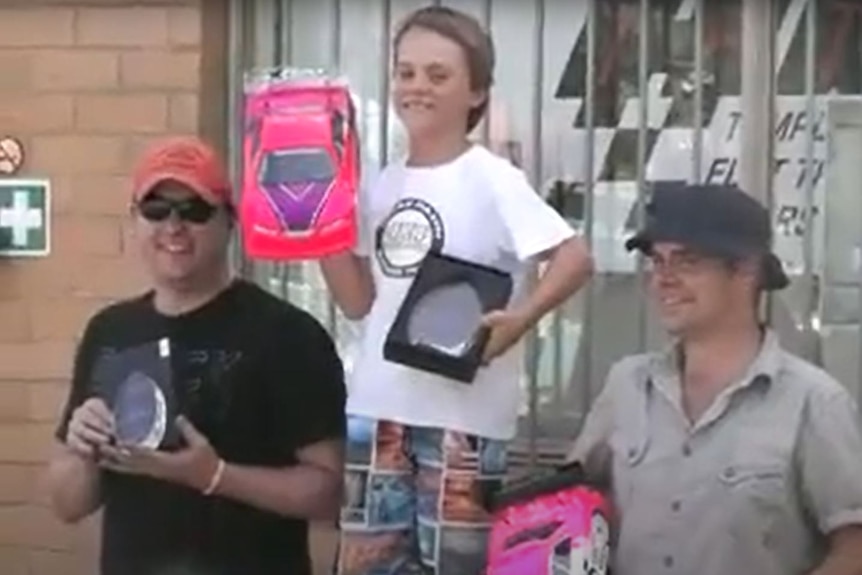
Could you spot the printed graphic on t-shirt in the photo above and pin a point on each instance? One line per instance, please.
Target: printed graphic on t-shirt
(405, 236)
(208, 380)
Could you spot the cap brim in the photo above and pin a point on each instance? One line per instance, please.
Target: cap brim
(774, 276)
(147, 186)
(704, 244)
(641, 241)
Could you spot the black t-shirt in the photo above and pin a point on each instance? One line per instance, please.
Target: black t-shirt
(260, 379)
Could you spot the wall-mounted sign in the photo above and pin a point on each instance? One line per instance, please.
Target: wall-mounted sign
(25, 217)
(11, 156)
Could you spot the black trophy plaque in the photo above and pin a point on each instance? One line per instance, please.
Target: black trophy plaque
(137, 385)
(438, 327)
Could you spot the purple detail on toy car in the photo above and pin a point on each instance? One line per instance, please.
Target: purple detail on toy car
(298, 203)
(297, 182)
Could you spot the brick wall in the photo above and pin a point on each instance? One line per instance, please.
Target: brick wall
(83, 83)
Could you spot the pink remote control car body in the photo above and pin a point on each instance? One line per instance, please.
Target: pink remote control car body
(553, 525)
(301, 171)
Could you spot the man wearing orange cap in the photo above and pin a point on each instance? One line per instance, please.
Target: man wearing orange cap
(256, 382)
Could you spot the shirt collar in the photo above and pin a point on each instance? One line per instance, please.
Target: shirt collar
(763, 370)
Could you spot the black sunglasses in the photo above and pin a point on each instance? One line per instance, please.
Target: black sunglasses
(193, 210)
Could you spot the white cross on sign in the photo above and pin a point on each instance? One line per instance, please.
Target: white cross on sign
(21, 218)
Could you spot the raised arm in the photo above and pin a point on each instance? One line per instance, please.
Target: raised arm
(348, 274)
(348, 277)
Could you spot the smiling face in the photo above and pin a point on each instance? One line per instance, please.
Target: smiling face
(431, 87)
(696, 293)
(182, 239)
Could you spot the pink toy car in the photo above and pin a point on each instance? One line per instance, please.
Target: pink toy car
(301, 170)
(552, 525)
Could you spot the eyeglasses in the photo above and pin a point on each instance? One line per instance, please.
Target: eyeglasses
(192, 210)
(680, 263)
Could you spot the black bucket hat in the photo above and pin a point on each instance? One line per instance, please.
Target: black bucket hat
(716, 220)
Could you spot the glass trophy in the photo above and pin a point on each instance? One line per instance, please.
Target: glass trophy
(438, 327)
(137, 385)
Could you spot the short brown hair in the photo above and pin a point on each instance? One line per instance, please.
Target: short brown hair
(465, 31)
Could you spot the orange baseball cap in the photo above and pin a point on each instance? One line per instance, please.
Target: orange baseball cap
(187, 160)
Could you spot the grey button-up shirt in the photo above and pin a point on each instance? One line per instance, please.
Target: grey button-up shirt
(754, 487)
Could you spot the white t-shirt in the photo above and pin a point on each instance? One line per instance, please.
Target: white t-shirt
(478, 207)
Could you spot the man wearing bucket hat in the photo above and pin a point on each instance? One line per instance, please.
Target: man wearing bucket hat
(258, 385)
(725, 453)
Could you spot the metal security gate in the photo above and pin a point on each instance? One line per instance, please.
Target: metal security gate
(598, 100)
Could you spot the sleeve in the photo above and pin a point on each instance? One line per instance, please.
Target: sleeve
(829, 460)
(82, 366)
(308, 387)
(592, 446)
(531, 225)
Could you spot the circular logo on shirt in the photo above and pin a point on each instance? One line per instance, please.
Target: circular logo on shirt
(406, 235)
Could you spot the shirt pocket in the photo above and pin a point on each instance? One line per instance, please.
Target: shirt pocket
(755, 498)
(755, 481)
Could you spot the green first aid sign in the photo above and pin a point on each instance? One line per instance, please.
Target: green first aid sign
(25, 207)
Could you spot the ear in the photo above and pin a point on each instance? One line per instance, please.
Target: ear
(130, 228)
(132, 218)
(750, 270)
(479, 97)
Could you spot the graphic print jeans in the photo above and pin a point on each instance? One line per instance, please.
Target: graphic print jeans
(413, 499)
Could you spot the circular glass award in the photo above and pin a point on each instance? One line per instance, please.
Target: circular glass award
(446, 319)
(140, 412)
